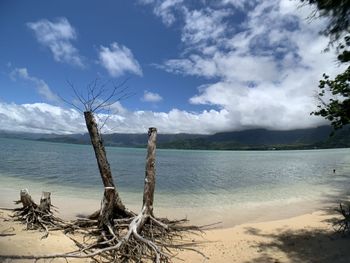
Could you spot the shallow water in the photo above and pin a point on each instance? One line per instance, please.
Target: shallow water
(205, 186)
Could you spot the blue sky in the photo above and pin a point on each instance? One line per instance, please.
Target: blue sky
(194, 66)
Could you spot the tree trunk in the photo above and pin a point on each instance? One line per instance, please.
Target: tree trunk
(150, 174)
(111, 202)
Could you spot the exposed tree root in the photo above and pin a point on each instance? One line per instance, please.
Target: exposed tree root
(142, 237)
(37, 216)
(138, 239)
(113, 234)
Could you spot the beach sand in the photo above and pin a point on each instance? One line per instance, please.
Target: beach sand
(306, 238)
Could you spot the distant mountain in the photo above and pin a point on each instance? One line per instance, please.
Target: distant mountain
(268, 137)
(255, 139)
(26, 135)
(262, 139)
(122, 139)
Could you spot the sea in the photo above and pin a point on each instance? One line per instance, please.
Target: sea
(224, 187)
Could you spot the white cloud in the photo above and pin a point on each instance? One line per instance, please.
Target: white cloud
(205, 25)
(174, 121)
(40, 118)
(57, 36)
(265, 107)
(117, 108)
(264, 71)
(41, 87)
(241, 5)
(151, 97)
(118, 60)
(45, 118)
(165, 9)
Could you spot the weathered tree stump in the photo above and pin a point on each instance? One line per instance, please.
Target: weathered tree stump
(37, 216)
(26, 199)
(45, 202)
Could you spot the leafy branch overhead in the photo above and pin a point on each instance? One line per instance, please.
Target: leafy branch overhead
(337, 108)
(338, 14)
(334, 93)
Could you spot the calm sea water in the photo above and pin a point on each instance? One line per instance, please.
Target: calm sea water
(205, 186)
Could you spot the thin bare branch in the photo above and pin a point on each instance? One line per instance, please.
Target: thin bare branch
(70, 103)
(77, 95)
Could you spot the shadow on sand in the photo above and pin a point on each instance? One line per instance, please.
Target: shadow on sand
(316, 245)
(304, 246)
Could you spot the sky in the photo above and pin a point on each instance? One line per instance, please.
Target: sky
(189, 66)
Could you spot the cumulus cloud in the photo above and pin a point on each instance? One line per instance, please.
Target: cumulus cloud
(118, 60)
(58, 36)
(40, 118)
(263, 71)
(117, 108)
(205, 25)
(45, 118)
(151, 97)
(41, 87)
(260, 72)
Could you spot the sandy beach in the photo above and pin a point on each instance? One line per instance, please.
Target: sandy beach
(306, 238)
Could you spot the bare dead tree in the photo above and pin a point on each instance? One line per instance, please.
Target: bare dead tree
(99, 96)
(114, 233)
(139, 238)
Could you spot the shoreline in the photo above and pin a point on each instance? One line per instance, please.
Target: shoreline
(69, 207)
(227, 217)
(294, 239)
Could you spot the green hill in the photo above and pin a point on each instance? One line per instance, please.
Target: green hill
(255, 139)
